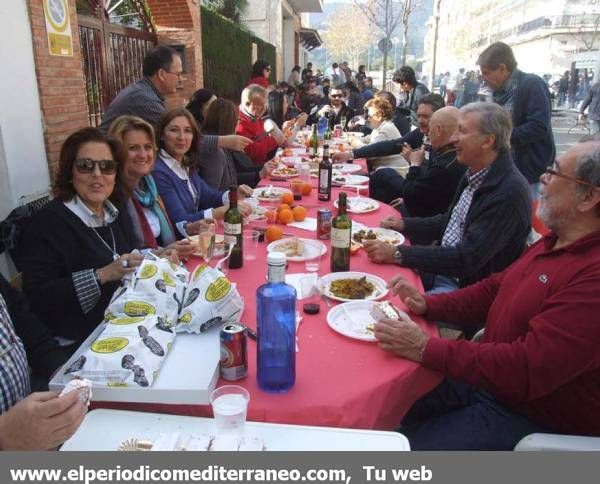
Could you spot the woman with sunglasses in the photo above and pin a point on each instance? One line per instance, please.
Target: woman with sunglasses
(150, 223)
(187, 197)
(78, 247)
(261, 70)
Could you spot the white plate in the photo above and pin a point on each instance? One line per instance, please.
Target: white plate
(284, 173)
(346, 167)
(351, 319)
(312, 249)
(360, 204)
(275, 193)
(349, 179)
(380, 285)
(291, 161)
(383, 235)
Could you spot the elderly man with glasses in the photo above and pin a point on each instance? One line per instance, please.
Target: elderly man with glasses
(537, 367)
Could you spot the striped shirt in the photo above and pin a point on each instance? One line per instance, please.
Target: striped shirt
(14, 369)
(456, 225)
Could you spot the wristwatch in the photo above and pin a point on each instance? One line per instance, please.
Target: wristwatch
(398, 257)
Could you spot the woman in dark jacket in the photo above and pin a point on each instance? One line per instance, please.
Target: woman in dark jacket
(77, 248)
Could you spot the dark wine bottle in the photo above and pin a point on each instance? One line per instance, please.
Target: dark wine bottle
(232, 230)
(341, 228)
(325, 170)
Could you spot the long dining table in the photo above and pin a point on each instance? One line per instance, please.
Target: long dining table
(340, 382)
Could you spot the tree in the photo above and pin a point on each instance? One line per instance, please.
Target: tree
(386, 15)
(343, 43)
(408, 7)
(231, 9)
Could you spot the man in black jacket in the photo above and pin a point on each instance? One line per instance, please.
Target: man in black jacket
(486, 227)
(527, 99)
(36, 421)
(429, 186)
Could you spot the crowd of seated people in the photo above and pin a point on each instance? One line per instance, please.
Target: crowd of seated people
(150, 182)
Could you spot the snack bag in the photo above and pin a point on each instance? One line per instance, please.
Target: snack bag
(128, 352)
(210, 299)
(157, 288)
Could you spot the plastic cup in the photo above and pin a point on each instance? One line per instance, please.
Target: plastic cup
(313, 264)
(296, 188)
(250, 243)
(230, 405)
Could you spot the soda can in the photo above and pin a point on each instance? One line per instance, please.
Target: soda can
(324, 223)
(234, 355)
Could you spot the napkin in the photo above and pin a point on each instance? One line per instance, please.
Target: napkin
(303, 283)
(309, 223)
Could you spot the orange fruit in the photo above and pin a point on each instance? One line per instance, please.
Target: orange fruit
(283, 206)
(273, 232)
(306, 188)
(287, 198)
(299, 213)
(286, 216)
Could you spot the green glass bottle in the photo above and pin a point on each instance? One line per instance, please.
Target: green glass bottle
(314, 141)
(232, 230)
(341, 228)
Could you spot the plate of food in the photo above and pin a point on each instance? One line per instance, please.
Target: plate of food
(297, 249)
(346, 167)
(293, 152)
(270, 193)
(291, 161)
(360, 204)
(356, 319)
(347, 179)
(349, 286)
(284, 172)
(377, 233)
(258, 214)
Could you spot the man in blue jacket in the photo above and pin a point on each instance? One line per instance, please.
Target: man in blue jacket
(527, 99)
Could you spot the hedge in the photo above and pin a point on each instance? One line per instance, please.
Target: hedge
(226, 54)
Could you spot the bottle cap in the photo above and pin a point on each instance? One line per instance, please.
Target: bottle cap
(276, 259)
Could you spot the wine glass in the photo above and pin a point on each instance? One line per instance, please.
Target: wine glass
(206, 242)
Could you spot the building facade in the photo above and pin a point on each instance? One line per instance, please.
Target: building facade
(544, 35)
(284, 23)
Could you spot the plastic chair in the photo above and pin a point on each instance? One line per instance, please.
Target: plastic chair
(556, 442)
(536, 223)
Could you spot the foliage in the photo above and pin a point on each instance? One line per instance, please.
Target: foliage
(231, 9)
(339, 45)
(227, 55)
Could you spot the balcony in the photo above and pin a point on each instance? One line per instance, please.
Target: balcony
(302, 6)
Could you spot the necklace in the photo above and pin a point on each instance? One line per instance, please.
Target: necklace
(112, 249)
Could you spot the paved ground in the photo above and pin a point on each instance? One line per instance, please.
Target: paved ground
(562, 122)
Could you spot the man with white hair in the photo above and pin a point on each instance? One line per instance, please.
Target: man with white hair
(251, 125)
(537, 367)
(486, 226)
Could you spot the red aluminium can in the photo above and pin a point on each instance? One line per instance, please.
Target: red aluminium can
(234, 354)
(324, 223)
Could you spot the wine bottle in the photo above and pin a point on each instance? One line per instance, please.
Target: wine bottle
(232, 230)
(325, 170)
(276, 329)
(341, 228)
(314, 141)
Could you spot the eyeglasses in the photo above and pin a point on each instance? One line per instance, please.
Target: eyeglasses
(550, 172)
(87, 166)
(178, 74)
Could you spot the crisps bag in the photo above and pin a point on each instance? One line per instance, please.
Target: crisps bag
(128, 352)
(210, 299)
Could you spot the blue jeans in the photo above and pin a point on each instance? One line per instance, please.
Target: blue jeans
(443, 284)
(458, 416)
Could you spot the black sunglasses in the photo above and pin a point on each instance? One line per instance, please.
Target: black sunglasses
(86, 166)
(336, 95)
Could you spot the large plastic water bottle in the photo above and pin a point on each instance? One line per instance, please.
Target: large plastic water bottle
(276, 329)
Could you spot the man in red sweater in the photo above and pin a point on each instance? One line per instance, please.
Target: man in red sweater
(537, 367)
(251, 125)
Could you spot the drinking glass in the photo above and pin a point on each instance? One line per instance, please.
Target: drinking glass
(313, 264)
(206, 242)
(250, 243)
(230, 405)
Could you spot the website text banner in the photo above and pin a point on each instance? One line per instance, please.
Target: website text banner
(307, 467)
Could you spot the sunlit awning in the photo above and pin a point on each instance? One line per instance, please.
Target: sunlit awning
(310, 38)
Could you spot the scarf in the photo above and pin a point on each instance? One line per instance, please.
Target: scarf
(148, 198)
